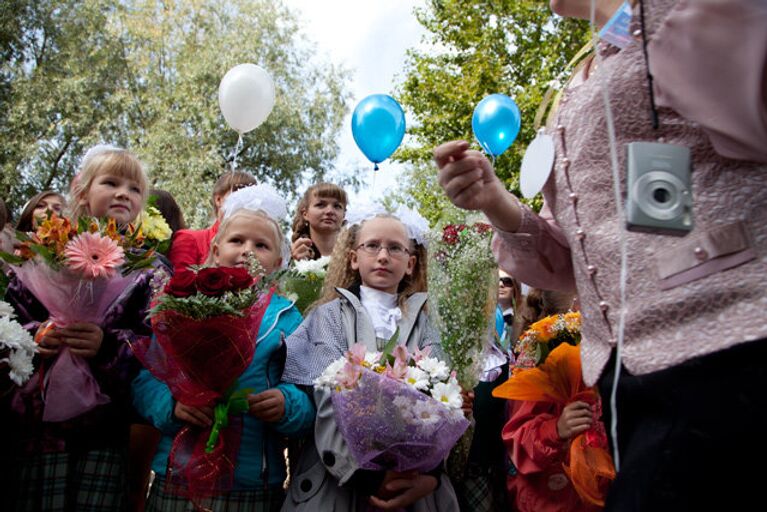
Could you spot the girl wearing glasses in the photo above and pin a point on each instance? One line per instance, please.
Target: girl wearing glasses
(375, 285)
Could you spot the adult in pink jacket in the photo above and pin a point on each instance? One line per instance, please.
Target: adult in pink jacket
(690, 399)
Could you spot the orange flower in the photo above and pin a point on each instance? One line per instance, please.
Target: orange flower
(55, 232)
(111, 230)
(545, 328)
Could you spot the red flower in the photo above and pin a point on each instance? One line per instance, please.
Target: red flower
(482, 227)
(240, 277)
(182, 284)
(213, 281)
(450, 234)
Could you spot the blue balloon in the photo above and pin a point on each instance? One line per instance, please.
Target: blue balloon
(378, 125)
(496, 123)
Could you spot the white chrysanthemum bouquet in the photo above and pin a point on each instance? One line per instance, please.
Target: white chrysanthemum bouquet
(17, 348)
(396, 411)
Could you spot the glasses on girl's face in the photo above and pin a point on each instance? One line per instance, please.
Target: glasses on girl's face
(506, 282)
(394, 250)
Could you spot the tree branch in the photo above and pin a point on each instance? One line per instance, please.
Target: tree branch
(55, 169)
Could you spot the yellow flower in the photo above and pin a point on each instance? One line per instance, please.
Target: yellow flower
(545, 328)
(153, 224)
(573, 321)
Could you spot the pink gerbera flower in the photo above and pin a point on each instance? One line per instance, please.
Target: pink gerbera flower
(94, 255)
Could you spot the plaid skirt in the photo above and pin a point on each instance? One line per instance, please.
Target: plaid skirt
(256, 500)
(92, 481)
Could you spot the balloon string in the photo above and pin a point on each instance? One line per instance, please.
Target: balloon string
(373, 190)
(236, 152)
(492, 160)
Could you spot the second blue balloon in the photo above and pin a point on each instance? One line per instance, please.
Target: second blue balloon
(496, 122)
(378, 126)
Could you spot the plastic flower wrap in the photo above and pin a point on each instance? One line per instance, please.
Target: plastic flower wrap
(77, 271)
(549, 370)
(206, 322)
(397, 412)
(303, 281)
(462, 279)
(17, 348)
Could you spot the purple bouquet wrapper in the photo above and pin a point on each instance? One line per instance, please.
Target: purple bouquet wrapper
(389, 425)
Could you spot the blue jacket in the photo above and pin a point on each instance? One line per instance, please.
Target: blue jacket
(261, 447)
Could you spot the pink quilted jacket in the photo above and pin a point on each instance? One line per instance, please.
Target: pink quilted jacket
(686, 296)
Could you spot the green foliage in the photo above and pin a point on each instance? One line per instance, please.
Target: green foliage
(462, 276)
(200, 306)
(476, 48)
(145, 74)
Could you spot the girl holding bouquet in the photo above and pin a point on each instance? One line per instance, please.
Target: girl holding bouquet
(375, 287)
(275, 409)
(70, 421)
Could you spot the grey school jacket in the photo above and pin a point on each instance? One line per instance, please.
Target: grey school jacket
(325, 464)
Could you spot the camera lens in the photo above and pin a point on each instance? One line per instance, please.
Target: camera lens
(661, 195)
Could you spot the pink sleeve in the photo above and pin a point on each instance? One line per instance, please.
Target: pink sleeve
(531, 437)
(538, 253)
(709, 64)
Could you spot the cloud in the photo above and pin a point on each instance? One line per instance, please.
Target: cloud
(370, 38)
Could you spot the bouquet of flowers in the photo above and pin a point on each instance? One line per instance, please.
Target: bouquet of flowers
(77, 271)
(543, 336)
(303, 281)
(546, 374)
(462, 279)
(397, 412)
(206, 322)
(154, 226)
(16, 346)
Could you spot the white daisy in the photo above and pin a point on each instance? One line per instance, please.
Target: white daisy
(426, 412)
(437, 370)
(448, 393)
(417, 378)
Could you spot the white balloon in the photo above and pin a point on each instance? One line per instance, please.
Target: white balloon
(246, 96)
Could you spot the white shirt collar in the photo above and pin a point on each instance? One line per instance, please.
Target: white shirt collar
(383, 310)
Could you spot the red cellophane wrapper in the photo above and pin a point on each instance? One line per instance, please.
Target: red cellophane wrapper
(200, 360)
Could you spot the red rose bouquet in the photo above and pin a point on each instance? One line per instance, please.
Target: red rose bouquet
(205, 324)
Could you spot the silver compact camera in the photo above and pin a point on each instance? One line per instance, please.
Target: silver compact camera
(659, 189)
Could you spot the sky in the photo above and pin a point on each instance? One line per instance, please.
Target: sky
(370, 38)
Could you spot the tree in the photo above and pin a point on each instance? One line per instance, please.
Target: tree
(59, 72)
(177, 53)
(145, 74)
(476, 48)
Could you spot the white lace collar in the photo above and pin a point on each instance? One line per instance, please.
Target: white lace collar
(383, 310)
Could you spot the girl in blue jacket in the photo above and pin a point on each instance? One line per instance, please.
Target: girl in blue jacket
(276, 409)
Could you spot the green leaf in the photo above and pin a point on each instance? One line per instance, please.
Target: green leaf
(11, 258)
(391, 344)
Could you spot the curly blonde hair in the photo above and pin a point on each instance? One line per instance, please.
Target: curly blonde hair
(341, 275)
